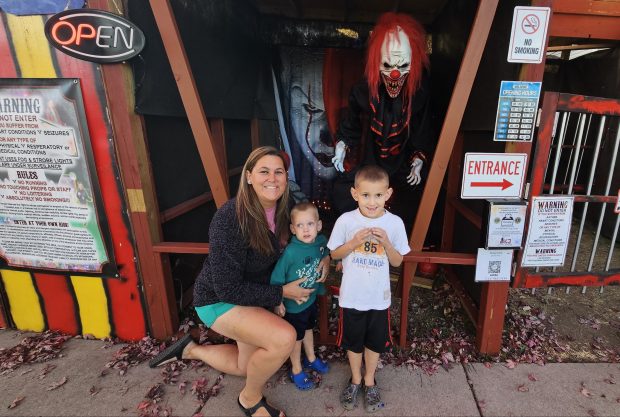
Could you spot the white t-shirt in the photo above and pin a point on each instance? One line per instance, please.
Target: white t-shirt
(366, 270)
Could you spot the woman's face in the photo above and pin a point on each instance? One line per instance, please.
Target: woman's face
(268, 178)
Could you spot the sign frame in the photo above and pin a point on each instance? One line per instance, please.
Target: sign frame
(528, 34)
(505, 224)
(550, 221)
(80, 34)
(493, 186)
(517, 111)
(493, 265)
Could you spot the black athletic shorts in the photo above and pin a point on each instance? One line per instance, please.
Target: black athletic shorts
(304, 320)
(364, 329)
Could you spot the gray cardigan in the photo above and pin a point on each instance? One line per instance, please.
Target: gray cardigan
(233, 272)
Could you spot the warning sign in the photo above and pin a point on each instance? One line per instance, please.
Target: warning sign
(528, 35)
(493, 175)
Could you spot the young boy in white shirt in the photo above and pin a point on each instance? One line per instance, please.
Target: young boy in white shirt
(368, 240)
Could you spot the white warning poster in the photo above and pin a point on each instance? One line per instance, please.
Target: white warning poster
(549, 231)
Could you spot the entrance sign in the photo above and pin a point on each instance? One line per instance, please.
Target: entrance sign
(493, 175)
(516, 111)
(493, 265)
(528, 34)
(51, 212)
(549, 230)
(505, 224)
(94, 35)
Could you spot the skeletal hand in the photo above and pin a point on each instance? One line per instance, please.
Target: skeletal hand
(339, 153)
(414, 177)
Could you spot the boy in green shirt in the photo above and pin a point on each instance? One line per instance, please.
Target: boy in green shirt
(301, 259)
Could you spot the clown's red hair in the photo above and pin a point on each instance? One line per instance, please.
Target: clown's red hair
(388, 22)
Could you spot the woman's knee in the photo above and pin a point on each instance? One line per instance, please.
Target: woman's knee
(282, 339)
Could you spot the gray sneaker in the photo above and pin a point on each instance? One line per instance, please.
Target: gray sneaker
(348, 398)
(372, 399)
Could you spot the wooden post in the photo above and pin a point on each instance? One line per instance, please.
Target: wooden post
(456, 108)
(134, 165)
(166, 23)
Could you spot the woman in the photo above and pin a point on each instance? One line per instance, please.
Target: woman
(245, 238)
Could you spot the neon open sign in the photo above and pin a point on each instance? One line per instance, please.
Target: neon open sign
(94, 35)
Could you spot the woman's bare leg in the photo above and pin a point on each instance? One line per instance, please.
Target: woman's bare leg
(264, 340)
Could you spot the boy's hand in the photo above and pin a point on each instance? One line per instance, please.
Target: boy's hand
(323, 269)
(360, 237)
(381, 236)
(280, 310)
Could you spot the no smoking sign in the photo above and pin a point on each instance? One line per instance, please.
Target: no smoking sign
(528, 34)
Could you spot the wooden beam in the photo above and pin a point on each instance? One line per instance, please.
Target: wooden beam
(456, 108)
(166, 23)
(181, 247)
(254, 133)
(491, 317)
(452, 192)
(186, 206)
(584, 26)
(134, 165)
(219, 144)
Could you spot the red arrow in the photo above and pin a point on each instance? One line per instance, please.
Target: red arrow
(504, 184)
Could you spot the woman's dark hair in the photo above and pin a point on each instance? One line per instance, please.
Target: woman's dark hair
(250, 212)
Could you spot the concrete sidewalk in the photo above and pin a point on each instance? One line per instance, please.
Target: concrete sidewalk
(465, 390)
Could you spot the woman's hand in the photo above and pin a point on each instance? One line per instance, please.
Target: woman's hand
(323, 268)
(293, 291)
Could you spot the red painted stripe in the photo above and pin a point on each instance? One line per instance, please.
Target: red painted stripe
(390, 327)
(127, 314)
(339, 338)
(7, 68)
(57, 302)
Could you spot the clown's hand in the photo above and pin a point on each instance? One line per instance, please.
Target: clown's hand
(339, 153)
(414, 177)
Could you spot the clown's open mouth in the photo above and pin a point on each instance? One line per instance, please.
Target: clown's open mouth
(393, 87)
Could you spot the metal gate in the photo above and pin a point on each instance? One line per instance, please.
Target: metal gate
(577, 155)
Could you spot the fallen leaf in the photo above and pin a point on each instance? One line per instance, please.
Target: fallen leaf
(488, 365)
(17, 401)
(531, 377)
(58, 384)
(510, 364)
(585, 392)
(522, 388)
(94, 390)
(609, 381)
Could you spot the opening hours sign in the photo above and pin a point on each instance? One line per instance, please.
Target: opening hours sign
(493, 175)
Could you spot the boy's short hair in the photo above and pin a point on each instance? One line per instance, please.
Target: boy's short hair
(299, 207)
(372, 173)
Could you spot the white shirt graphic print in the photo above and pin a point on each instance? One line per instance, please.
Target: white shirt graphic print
(366, 270)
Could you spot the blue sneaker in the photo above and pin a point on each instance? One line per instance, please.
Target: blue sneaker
(317, 365)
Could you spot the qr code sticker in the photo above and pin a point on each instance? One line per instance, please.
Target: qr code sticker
(494, 267)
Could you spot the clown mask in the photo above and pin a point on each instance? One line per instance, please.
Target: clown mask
(395, 61)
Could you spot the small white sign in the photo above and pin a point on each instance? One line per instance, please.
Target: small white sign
(493, 265)
(493, 175)
(549, 231)
(528, 34)
(505, 227)
(617, 209)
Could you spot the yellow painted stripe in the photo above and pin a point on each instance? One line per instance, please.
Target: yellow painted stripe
(93, 305)
(24, 303)
(31, 46)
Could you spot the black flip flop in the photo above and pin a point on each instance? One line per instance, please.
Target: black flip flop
(172, 353)
(273, 412)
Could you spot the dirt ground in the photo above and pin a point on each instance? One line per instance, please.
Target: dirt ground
(589, 324)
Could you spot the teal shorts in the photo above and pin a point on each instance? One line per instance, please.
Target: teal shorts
(209, 313)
